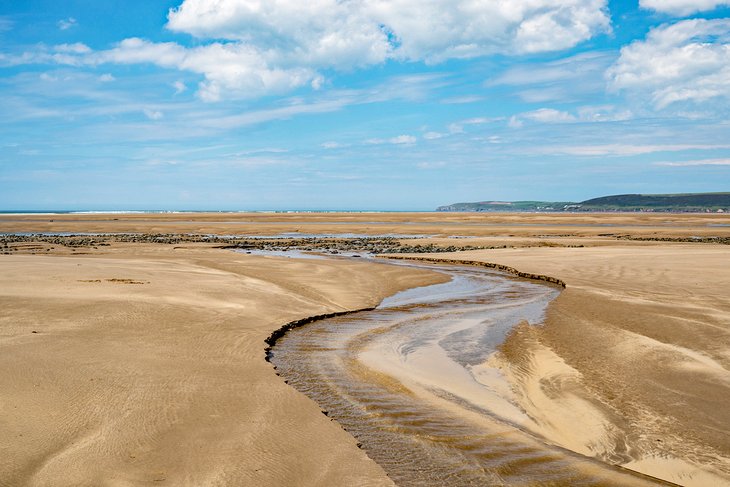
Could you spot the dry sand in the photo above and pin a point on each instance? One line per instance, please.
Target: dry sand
(446, 224)
(148, 365)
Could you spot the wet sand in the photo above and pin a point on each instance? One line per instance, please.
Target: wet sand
(633, 363)
(148, 364)
(408, 380)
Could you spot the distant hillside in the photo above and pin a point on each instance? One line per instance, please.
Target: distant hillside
(660, 202)
(690, 202)
(506, 206)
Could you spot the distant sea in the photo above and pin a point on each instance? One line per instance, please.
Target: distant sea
(75, 212)
(94, 212)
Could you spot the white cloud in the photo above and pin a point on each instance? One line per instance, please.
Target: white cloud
(279, 113)
(284, 43)
(260, 47)
(560, 80)
(701, 162)
(431, 165)
(106, 78)
(333, 32)
(76, 48)
(574, 67)
(233, 69)
(433, 135)
(66, 54)
(515, 122)
(179, 86)
(403, 139)
(66, 24)
(542, 115)
(288, 32)
(603, 113)
(331, 145)
(548, 115)
(625, 149)
(462, 100)
(458, 127)
(682, 7)
(686, 61)
(153, 114)
(398, 140)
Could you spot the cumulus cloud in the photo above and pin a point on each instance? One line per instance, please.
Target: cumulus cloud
(286, 43)
(682, 7)
(336, 32)
(685, 61)
(318, 32)
(250, 48)
(232, 69)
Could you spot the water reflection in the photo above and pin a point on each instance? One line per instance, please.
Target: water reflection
(409, 381)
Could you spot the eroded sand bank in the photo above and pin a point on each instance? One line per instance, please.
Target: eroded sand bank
(633, 364)
(147, 366)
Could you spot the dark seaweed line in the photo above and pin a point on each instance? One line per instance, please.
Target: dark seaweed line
(281, 331)
(491, 265)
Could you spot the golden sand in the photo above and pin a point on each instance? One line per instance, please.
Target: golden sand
(633, 363)
(148, 366)
(147, 361)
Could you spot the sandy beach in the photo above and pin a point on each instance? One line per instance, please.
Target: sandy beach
(148, 366)
(632, 365)
(138, 363)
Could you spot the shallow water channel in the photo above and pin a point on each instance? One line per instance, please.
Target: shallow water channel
(410, 381)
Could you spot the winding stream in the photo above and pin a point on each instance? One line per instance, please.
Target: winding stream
(410, 381)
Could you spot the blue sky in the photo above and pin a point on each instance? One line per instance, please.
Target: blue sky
(359, 105)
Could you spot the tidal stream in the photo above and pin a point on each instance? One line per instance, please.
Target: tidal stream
(410, 380)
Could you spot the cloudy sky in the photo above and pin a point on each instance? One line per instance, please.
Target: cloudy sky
(359, 104)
